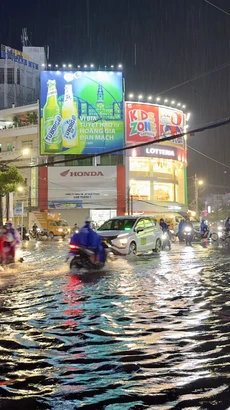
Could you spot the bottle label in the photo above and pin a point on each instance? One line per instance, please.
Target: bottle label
(69, 127)
(51, 92)
(52, 130)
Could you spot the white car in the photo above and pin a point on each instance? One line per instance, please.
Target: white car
(131, 234)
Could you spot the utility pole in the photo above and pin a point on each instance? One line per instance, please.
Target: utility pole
(131, 198)
(196, 194)
(128, 200)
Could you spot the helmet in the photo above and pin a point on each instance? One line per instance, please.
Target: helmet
(88, 219)
(9, 223)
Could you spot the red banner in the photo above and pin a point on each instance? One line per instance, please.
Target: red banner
(142, 122)
(148, 122)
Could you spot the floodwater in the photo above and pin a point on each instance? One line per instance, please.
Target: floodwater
(150, 332)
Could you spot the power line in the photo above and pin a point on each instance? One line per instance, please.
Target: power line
(206, 156)
(218, 8)
(195, 78)
(214, 124)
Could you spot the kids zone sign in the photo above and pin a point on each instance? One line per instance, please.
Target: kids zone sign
(148, 122)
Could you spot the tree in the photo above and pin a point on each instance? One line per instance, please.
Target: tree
(17, 121)
(10, 177)
(32, 117)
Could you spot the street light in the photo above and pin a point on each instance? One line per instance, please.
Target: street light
(197, 183)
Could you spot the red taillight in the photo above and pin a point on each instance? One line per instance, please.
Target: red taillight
(72, 247)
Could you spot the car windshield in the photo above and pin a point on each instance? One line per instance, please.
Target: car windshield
(62, 222)
(118, 225)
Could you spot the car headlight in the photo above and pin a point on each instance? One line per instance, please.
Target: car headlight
(121, 241)
(60, 230)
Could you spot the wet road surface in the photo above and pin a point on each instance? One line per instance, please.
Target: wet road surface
(150, 332)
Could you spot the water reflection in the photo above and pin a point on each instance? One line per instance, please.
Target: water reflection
(149, 332)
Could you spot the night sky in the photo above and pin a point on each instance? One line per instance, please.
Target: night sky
(176, 41)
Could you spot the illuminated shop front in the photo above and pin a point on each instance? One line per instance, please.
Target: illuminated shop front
(156, 180)
(155, 173)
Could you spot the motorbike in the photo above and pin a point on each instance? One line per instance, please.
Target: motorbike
(38, 234)
(6, 255)
(166, 240)
(83, 257)
(188, 235)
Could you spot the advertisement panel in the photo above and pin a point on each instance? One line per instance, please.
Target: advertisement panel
(148, 122)
(81, 112)
(82, 187)
(142, 122)
(171, 123)
(17, 56)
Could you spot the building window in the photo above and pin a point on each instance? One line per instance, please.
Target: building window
(80, 162)
(10, 76)
(9, 146)
(27, 144)
(110, 159)
(163, 166)
(139, 165)
(140, 189)
(18, 76)
(163, 192)
(2, 77)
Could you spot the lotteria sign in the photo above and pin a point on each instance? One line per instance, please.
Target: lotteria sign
(148, 122)
(158, 151)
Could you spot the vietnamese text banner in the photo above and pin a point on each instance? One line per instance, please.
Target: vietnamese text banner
(81, 112)
(82, 187)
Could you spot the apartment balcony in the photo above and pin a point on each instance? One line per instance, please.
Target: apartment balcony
(17, 156)
(14, 132)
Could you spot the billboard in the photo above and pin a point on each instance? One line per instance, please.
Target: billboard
(17, 56)
(82, 187)
(81, 112)
(148, 122)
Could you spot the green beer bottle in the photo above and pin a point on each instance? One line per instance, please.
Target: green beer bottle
(52, 120)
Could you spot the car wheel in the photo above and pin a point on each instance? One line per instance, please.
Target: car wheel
(132, 248)
(51, 235)
(158, 246)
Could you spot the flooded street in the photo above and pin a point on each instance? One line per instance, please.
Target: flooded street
(150, 332)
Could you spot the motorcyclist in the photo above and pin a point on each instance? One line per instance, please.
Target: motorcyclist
(189, 224)
(13, 238)
(165, 230)
(90, 239)
(180, 230)
(35, 227)
(75, 228)
(227, 224)
(203, 229)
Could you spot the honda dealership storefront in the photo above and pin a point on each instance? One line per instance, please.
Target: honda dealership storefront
(77, 192)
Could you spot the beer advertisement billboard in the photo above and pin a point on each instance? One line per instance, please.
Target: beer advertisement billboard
(149, 122)
(81, 112)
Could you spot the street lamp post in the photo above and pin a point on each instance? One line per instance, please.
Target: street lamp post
(197, 183)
